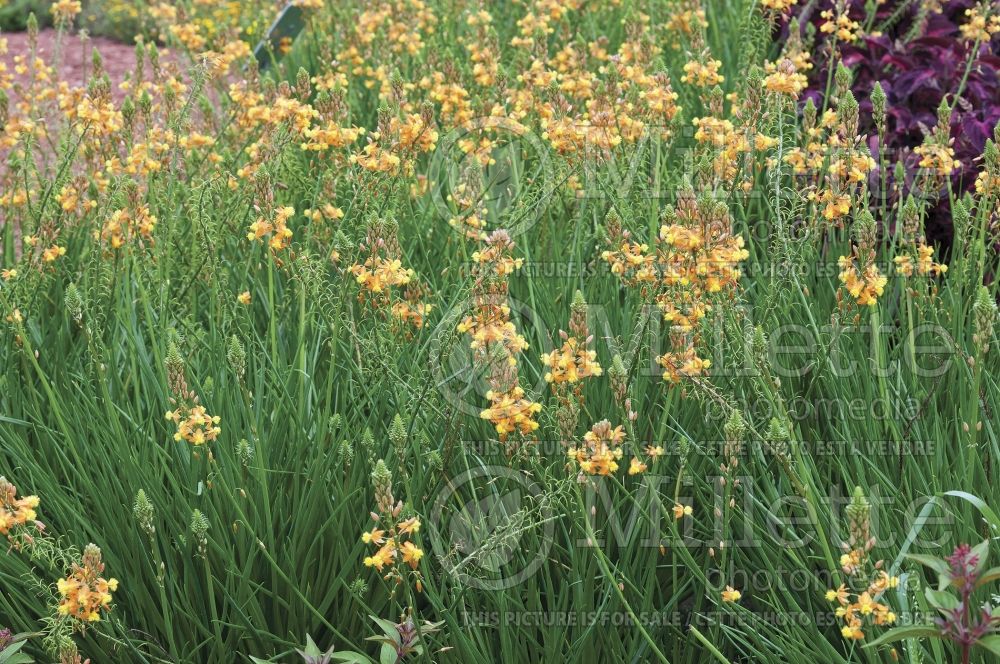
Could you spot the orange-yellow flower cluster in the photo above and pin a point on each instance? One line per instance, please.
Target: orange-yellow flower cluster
(378, 274)
(856, 607)
(14, 511)
(695, 261)
(784, 79)
(84, 592)
(511, 412)
(937, 157)
(865, 283)
(281, 234)
(780, 6)
(124, 224)
(922, 265)
(703, 74)
(495, 340)
(392, 535)
(571, 363)
(980, 26)
(391, 547)
(601, 449)
(194, 424)
(841, 25)
(683, 364)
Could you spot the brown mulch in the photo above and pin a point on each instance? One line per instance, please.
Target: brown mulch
(118, 58)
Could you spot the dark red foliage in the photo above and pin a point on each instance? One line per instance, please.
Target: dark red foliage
(916, 74)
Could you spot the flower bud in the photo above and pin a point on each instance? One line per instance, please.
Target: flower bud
(237, 357)
(878, 106)
(199, 531)
(144, 512)
(382, 483)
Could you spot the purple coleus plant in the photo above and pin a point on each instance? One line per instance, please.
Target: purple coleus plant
(920, 60)
(961, 620)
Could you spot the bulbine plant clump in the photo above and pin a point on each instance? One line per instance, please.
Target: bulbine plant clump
(478, 331)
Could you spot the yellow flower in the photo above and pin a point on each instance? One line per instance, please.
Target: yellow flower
(851, 632)
(64, 10)
(731, 595)
(382, 557)
(840, 595)
(865, 604)
(682, 364)
(409, 526)
(681, 511)
(244, 297)
(842, 26)
(53, 252)
(373, 536)
(378, 274)
(411, 554)
(780, 6)
(939, 158)
(979, 27)
(864, 286)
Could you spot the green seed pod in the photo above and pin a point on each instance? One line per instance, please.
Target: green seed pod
(4, 108)
(809, 116)
(991, 157)
(397, 431)
(758, 343)
(347, 453)
(618, 376)
(960, 223)
(368, 444)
